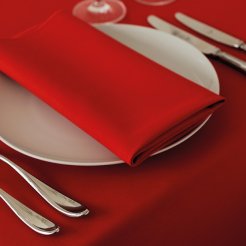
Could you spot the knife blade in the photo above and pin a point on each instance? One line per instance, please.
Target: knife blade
(211, 32)
(202, 45)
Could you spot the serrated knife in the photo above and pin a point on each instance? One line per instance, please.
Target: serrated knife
(202, 45)
(211, 32)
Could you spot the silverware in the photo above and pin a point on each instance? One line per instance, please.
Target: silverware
(32, 219)
(202, 45)
(211, 32)
(57, 200)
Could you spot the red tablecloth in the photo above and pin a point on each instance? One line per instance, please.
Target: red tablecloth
(194, 194)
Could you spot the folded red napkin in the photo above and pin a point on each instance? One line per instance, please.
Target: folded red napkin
(130, 104)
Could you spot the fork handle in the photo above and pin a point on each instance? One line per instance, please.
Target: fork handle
(243, 46)
(57, 200)
(32, 219)
(232, 60)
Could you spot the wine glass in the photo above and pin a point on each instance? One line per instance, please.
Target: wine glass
(155, 2)
(100, 11)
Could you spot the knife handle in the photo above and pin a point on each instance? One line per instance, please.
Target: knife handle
(243, 47)
(232, 60)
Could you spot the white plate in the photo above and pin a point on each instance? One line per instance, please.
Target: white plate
(31, 127)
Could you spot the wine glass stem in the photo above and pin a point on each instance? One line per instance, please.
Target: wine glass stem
(98, 2)
(99, 6)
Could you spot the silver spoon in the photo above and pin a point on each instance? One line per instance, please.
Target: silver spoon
(57, 200)
(35, 221)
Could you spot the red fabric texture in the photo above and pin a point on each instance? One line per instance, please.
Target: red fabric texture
(127, 102)
(191, 195)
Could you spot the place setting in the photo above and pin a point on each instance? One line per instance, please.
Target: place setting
(81, 89)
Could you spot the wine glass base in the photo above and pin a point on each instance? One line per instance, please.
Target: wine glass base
(155, 2)
(105, 11)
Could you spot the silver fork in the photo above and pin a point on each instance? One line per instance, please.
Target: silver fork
(32, 219)
(60, 202)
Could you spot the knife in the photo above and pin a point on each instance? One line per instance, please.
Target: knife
(202, 45)
(211, 32)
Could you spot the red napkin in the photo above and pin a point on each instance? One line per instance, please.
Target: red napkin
(127, 102)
